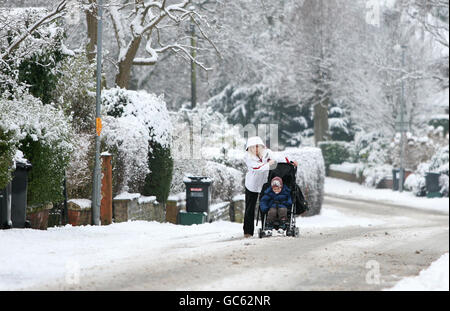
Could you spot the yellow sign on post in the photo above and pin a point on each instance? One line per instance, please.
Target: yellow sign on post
(99, 126)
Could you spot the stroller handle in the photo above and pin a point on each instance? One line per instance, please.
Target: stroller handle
(295, 167)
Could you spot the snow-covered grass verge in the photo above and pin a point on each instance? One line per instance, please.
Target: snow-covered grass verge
(345, 189)
(434, 278)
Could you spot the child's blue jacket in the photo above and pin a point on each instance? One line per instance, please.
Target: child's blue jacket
(271, 199)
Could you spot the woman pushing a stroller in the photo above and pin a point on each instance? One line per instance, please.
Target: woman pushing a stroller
(259, 161)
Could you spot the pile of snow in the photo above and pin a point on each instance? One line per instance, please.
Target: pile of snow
(345, 189)
(434, 278)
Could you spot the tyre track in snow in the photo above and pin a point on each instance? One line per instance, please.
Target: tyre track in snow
(345, 258)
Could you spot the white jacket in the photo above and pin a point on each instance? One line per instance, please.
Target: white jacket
(258, 169)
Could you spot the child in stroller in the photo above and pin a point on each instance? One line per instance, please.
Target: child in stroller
(286, 204)
(275, 202)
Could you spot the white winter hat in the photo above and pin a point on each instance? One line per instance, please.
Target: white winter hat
(253, 141)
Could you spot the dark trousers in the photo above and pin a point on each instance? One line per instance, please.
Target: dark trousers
(275, 214)
(251, 199)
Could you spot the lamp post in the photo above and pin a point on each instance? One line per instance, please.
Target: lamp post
(96, 196)
(402, 125)
(193, 66)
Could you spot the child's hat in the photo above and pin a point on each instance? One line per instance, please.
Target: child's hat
(276, 181)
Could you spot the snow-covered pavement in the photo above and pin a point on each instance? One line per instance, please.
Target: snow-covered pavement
(346, 235)
(34, 256)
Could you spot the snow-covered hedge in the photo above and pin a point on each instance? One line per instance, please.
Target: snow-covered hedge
(419, 148)
(335, 152)
(439, 163)
(43, 134)
(310, 175)
(75, 95)
(79, 171)
(374, 174)
(371, 148)
(416, 183)
(75, 92)
(7, 150)
(227, 181)
(134, 122)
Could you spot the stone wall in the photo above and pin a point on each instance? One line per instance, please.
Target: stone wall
(224, 211)
(345, 176)
(79, 212)
(138, 208)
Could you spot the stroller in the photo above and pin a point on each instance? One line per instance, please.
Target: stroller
(287, 173)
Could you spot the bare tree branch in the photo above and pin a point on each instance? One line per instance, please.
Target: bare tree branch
(48, 18)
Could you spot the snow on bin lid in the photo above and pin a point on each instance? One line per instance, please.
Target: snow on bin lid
(20, 160)
(203, 179)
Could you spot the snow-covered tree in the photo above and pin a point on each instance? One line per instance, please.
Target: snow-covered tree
(140, 22)
(30, 57)
(31, 48)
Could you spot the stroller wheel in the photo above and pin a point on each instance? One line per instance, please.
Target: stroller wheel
(260, 233)
(297, 232)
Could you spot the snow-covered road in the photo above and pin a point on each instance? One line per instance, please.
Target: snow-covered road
(351, 246)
